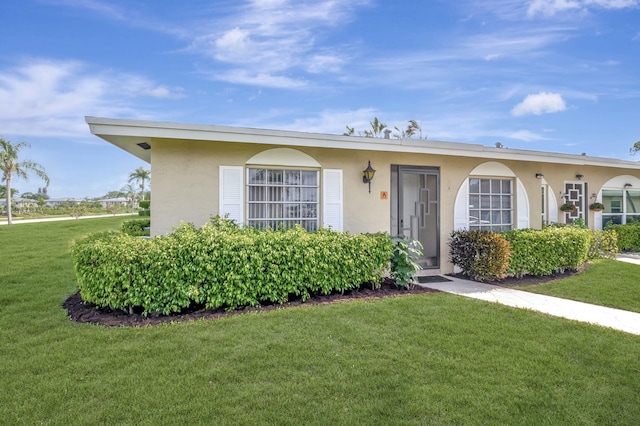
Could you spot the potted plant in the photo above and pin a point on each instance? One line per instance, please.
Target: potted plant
(568, 207)
(596, 207)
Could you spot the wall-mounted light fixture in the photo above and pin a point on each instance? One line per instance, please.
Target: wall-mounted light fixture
(367, 175)
(539, 175)
(579, 176)
(627, 185)
(144, 145)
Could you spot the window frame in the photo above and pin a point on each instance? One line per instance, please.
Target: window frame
(281, 197)
(491, 210)
(621, 213)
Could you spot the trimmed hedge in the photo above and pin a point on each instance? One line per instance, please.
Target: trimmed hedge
(628, 236)
(136, 228)
(481, 255)
(544, 252)
(223, 266)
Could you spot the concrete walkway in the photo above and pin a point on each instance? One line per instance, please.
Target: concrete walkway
(56, 219)
(578, 311)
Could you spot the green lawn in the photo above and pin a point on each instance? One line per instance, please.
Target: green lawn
(413, 360)
(606, 282)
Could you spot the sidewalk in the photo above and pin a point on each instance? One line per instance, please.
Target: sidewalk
(55, 219)
(617, 319)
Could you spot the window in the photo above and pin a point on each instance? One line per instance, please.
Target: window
(620, 206)
(490, 204)
(279, 198)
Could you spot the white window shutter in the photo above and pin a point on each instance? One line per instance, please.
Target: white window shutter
(231, 193)
(332, 199)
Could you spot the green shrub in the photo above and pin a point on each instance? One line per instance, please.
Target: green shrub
(136, 228)
(144, 204)
(605, 244)
(544, 252)
(144, 212)
(481, 255)
(403, 260)
(628, 235)
(223, 266)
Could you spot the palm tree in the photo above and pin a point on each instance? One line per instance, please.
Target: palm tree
(130, 193)
(11, 167)
(377, 127)
(140, 176)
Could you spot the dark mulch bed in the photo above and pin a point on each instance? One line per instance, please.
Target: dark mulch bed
(89, 313)
(528, 280)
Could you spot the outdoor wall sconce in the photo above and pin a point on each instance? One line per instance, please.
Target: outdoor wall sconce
(579, 176)
(627, 185)
(539, 175)
(367, 175)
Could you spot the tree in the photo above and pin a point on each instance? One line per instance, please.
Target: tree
(379, 129)
(635, 148)
(141, 176)
(11, 168)
(413, 128)
(130, 192)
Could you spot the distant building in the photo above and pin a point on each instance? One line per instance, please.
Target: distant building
(113, 202)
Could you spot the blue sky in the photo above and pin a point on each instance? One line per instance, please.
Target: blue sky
(551, 75)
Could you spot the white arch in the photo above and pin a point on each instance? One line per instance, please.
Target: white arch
(283, 157)
(491, 168)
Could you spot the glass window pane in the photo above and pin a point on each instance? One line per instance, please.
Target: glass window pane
(496, 201)
(292, 194)
(506, 202)
(309, 178)
(485, 216)
(257, 193)
(633, 202)
(474, 186)
(496, 218)
(506, 186)
(485, 201)
(257, 176)
(292, 177)
(274, 177)
(474, 216)
(474, 201)
(495, 186)
(614, 219)
(506, 217)
(309, 194)
(309, 210)
(485, 186)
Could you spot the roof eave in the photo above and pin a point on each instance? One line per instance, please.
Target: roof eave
(127, 134)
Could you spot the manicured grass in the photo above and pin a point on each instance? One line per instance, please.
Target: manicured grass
(426, 359)
(606, 282)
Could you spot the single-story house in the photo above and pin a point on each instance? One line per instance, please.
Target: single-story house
(57, 202)
(113, 202)
(421, 188)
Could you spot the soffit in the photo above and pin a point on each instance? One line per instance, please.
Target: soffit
(126, 134)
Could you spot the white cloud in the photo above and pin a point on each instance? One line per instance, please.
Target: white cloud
(50, 98)
(276, 38)
(552, 7)
(526, 135)
(241, 76)
(540, 103)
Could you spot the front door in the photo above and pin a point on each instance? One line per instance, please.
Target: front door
(576, 194)
(416, 212)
